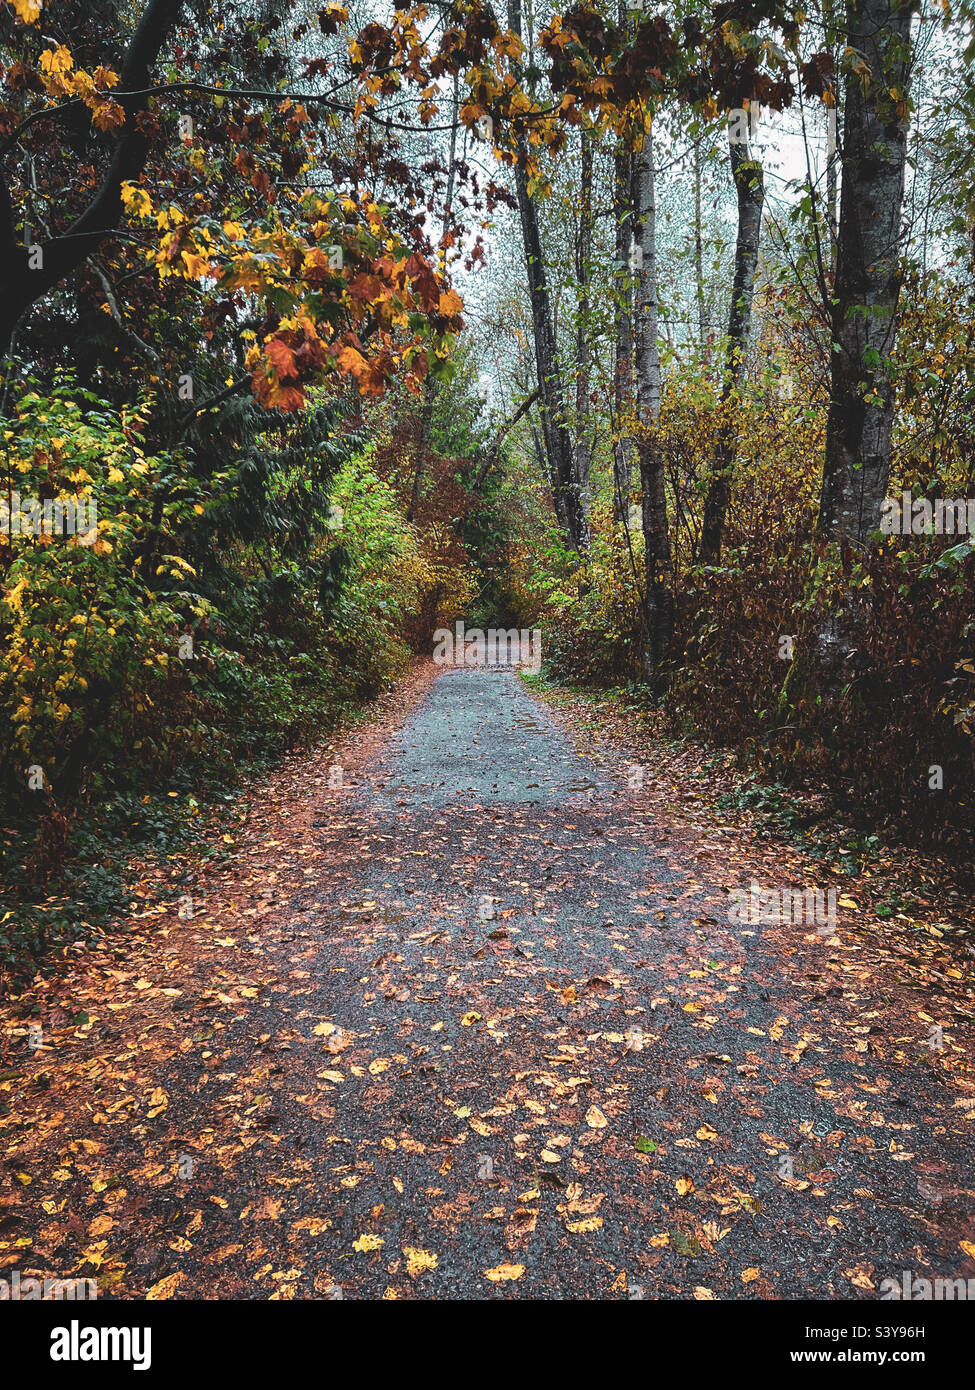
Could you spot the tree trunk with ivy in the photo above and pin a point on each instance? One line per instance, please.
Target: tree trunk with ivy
(874, 153)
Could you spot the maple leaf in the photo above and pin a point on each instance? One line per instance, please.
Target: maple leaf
(108, 115)
(196, 266)
(28, 11)
(56, 60)
(450, 304)
(365, 287)
(282, 359)
(352, 362)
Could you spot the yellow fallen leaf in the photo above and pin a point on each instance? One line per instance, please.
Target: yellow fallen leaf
(704, 1295)
(366, 1244)
(684, 1185)
(747, 1275)
(500, 1273)
(418, 1261)
(595, 1118)
(157, 1102)
(591, 1223)
(314, 1225)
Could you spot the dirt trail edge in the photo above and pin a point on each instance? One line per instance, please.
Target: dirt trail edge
(471, 1018)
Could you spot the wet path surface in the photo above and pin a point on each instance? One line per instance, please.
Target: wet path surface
(505, 1042)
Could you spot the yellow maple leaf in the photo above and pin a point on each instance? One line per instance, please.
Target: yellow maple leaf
(56, 59)
(451, 304)
(29, 11)
(136, 200)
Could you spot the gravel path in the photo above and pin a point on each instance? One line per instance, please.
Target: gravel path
(497, 1037)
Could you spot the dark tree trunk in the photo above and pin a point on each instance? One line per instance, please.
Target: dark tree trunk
(864, 303)
(623, 372)
(658, 599)
(552, 398)
(861, 413)
(750, 188)
(422, 446)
